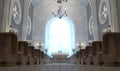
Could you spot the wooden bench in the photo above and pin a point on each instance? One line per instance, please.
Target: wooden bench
(31, 55)
(8, 49)
(24, 49)
(97, 53)
(82, 56)
(79, 57)
(88, 55)
(76, 56)
(42, 56)
(37, 56)
(111, 48)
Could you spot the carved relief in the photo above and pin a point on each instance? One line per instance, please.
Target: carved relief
(103, 12)
(17, 12)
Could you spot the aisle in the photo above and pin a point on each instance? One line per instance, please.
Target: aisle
(59, 67)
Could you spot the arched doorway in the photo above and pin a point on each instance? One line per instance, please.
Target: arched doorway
(60, 36)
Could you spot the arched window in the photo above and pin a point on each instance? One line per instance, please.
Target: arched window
(59, 36)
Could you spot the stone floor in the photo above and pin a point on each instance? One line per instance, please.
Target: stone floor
(60, 67)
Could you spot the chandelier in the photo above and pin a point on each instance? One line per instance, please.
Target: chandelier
(60, 13)
(60, 1)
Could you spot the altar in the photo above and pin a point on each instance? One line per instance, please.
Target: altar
(59, 57)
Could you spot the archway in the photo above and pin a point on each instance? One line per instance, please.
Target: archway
(60, 36)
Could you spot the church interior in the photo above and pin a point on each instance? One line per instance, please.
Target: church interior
(59, 35)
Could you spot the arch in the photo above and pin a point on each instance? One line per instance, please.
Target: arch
(59, 36)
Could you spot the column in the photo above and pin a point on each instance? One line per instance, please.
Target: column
(6, 16)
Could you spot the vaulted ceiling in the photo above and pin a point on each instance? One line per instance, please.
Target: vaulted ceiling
(77, 12)
(36, 2)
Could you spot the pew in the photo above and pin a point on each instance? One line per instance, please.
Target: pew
(88, 54)
(97, 53)
(111, 48)
(78, 56)
(31, 55)
(80, 60)
(37, 56)
(42, 56)
(82, 56)
(8, 49)
(24, 50)
(19, 54)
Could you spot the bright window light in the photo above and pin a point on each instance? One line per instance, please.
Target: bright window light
(60, 36)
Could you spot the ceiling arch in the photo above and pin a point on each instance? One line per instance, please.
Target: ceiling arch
(37, 2)
(76, 9)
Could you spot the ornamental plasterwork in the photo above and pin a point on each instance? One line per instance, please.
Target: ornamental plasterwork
(91, 28)
(103, 12)
(28, 28)
(16, 12)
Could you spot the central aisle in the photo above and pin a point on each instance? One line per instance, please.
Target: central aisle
(59, 67)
